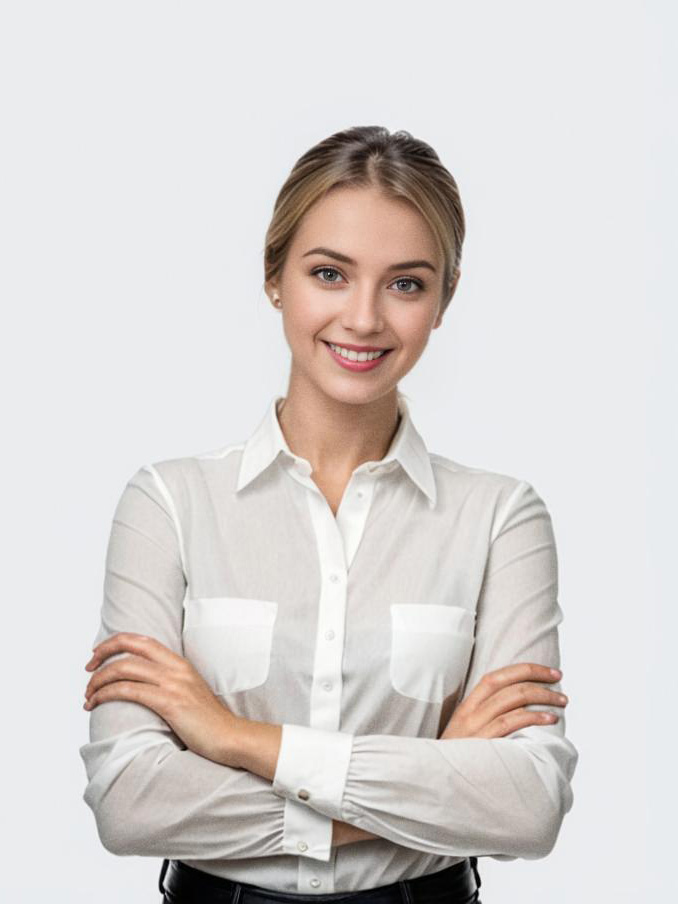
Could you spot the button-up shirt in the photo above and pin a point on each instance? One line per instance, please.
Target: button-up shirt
(359, 633)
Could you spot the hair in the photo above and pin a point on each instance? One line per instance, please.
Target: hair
(403, 167)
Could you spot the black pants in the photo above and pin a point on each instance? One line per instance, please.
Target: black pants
(458, 884)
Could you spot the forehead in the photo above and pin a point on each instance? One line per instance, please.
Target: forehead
(362, 222)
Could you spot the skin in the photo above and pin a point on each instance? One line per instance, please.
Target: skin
(336, 419)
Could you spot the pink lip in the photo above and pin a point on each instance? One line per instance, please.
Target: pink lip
(356, 365)
(360, 348)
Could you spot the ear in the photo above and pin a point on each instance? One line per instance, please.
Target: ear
(272, 288)
(453, 287)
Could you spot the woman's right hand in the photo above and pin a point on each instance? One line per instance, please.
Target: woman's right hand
(494, 708)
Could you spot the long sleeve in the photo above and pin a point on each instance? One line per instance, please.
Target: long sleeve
(502, 797)
(150, 795)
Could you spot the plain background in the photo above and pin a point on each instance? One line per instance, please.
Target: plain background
(144, 144)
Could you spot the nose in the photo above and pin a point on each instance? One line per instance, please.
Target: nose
(362, 312)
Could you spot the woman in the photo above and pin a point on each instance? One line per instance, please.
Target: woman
(327, 656)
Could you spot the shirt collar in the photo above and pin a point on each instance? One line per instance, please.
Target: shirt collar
(407, 449)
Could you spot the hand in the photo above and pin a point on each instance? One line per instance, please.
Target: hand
(168, 684)
(494, 708)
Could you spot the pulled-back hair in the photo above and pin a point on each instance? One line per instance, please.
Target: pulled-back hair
(403, 167)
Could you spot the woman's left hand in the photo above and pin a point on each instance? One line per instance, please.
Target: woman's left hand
(169, 685)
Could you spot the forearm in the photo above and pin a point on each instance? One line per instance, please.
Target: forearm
(152, 797)
(255, 746)
(454, 797)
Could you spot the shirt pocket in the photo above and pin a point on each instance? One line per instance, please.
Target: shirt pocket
(430, 649)
(229, 639)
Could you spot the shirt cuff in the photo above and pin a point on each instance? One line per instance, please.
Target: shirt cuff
(312, 767)
(306, 833)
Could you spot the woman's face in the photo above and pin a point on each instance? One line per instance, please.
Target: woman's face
(377, 282)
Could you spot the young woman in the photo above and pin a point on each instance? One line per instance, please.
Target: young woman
(327, 664)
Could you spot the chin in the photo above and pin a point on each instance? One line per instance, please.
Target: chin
(359, 395)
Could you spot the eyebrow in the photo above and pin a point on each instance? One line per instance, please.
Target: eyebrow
(403, 265)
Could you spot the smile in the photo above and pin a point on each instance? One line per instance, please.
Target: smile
(356, 361)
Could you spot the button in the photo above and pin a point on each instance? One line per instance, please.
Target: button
(327, 685)
(329, 635)
(360, 494)
(303, 794)
(302, 845)
(315, 883)
(334, 577)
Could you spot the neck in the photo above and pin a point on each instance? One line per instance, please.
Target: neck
(334, 436)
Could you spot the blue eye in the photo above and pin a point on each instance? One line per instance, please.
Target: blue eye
(326, 270)
(408, 279)
(416, 283)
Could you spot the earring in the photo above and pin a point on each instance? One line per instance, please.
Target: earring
(277, 302)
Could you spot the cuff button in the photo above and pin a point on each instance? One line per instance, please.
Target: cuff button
(303, 794)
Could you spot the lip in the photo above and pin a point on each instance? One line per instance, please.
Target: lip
(357, 366)
(360, 348)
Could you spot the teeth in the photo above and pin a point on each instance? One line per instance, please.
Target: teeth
(355, 356)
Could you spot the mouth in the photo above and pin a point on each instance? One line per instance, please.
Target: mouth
(355, 360)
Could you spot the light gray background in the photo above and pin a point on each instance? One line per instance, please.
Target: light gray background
(144, 144)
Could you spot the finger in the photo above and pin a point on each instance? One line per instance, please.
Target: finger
(525, 693)
(149, 695)
(129, 642)
(500, 678)
(132, 667)
(507, 723)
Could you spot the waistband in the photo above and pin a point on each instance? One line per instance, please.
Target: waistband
(459, 883)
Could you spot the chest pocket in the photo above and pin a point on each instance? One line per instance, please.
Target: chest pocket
(229, 639)
(430, 649)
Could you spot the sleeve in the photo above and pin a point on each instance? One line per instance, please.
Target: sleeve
(150, 795)
(502, 797)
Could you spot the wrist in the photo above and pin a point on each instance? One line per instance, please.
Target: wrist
(253, 746)
(232, 746)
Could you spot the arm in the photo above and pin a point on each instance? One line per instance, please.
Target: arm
(502, 797)
(150, 795)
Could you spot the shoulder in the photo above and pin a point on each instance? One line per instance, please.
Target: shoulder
(179, 477)
(450, 471)
(503, 494)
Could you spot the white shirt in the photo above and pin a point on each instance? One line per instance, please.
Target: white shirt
(358, 633)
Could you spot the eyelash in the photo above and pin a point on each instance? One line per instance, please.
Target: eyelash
(420, 285)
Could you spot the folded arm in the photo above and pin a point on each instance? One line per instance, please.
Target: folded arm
(503, 797)
(150, 795)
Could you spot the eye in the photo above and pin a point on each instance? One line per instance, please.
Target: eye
(417, 283)
(319, 270)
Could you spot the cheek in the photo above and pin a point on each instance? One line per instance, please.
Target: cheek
(414, 329)
(305, 313)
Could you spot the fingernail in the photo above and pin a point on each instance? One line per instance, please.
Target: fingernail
(557, 673)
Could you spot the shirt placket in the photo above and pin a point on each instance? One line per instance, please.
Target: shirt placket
(337, 540)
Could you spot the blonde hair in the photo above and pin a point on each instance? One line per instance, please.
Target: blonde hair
(402, 166)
